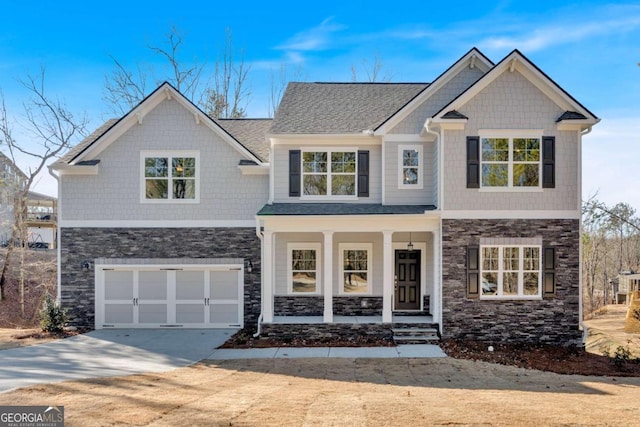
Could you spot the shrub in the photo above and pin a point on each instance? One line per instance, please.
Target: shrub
(52, 316)
(620, 357)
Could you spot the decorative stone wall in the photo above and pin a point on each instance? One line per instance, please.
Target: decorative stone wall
(288, 305)
(87, 244)
(320, 331)
(285, 305)
(553, 320)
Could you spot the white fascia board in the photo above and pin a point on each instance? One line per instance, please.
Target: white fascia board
(429, 221)
(314, 139)
(136, 117)
(514, 62)
(497, 214)
(577, 125)
(157, 223)
(474, 56)
(63, 169)
(260, 169)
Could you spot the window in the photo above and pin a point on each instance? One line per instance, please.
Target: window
(410, 166)
(510, 162)
(170, 176)
(510, 271)
(355, 268)
(304, 265)
(329, 173)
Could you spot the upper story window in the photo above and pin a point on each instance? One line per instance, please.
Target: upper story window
(170, 176)
(328, 173)
(511, 271)
(410, 166)
(510, 162)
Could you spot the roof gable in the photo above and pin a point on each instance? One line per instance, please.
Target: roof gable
(516, 61)
(472, 59)
(111, 130)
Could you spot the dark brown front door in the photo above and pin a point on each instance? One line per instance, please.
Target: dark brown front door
(407, 280)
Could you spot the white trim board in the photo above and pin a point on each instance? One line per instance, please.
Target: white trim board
(496, 214)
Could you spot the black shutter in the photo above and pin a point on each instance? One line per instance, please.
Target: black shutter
(548, 162)
(363, 173)
(473, 162)
(549, 273)
(473, 271)
(294, 173)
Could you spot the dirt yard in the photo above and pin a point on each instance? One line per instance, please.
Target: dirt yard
(11, 338)
(342, 392)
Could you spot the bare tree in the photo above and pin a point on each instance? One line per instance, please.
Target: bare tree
(224, 94)
(124, 89)
(278, 83)
(229, 95)
(53, 129)
(372, 70)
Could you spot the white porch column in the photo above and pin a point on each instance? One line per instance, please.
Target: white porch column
(327, 276)
(267, 277)
(437, 277)
(387, 277)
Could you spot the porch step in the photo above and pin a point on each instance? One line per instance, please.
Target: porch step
(415, 335)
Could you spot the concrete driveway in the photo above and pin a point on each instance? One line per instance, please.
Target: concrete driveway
(107, 353)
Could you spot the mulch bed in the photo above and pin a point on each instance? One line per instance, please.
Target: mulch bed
(543, 357)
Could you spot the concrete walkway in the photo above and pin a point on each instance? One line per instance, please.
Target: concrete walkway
(108, 353)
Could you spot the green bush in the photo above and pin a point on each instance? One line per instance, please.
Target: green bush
(52, 316)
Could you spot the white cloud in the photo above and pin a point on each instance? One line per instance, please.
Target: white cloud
(313, 39)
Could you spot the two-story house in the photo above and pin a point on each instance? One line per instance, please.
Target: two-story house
(360, 206)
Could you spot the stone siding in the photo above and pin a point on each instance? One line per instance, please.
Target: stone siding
(553, 320)
(87, 244)
(327, 331)
(287, 305)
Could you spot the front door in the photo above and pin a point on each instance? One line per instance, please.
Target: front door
(407, 280)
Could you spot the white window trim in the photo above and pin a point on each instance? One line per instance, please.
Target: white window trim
(520, 295)
(329, 174)
(304, 246)
(511, 134)
(169, 154)
(419, 149)
(354, 246)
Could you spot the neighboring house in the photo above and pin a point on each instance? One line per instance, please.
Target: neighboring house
(41, 220)
(360, 206)
(628, 283)
(12, 180)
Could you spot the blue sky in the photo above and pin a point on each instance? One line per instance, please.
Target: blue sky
(590, 48)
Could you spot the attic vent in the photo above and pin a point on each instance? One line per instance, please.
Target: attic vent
(473, 61)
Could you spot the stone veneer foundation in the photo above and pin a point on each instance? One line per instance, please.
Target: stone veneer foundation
(287, 305)
(554, 320)
(87, 244)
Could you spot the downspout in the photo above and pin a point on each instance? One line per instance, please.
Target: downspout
(581, 293)
(57, 216)
(438, 262)
(259, 326)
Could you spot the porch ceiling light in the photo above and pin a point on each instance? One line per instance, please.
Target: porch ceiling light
(410, 245)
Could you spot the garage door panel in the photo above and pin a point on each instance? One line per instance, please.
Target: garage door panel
(152, 285)
(223, 313)
(118, 313)
(190, 313)
(190, 285)
(223, 285)
(118, 285)
(152, 313)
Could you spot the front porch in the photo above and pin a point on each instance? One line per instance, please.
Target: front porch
(350, 274)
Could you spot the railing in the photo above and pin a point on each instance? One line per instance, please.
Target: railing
(41, 217)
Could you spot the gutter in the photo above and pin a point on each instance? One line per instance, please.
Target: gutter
(58, 266)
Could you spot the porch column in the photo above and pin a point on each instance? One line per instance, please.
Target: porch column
(267, 277)
(387, 277)
(327, 276)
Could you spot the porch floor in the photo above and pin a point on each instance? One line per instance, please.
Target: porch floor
(350, 319)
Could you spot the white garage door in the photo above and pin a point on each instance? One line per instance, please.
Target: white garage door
(168, 296)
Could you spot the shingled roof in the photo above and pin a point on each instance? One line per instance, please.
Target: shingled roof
(250, 133)
(340, 108)
(80, 147)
